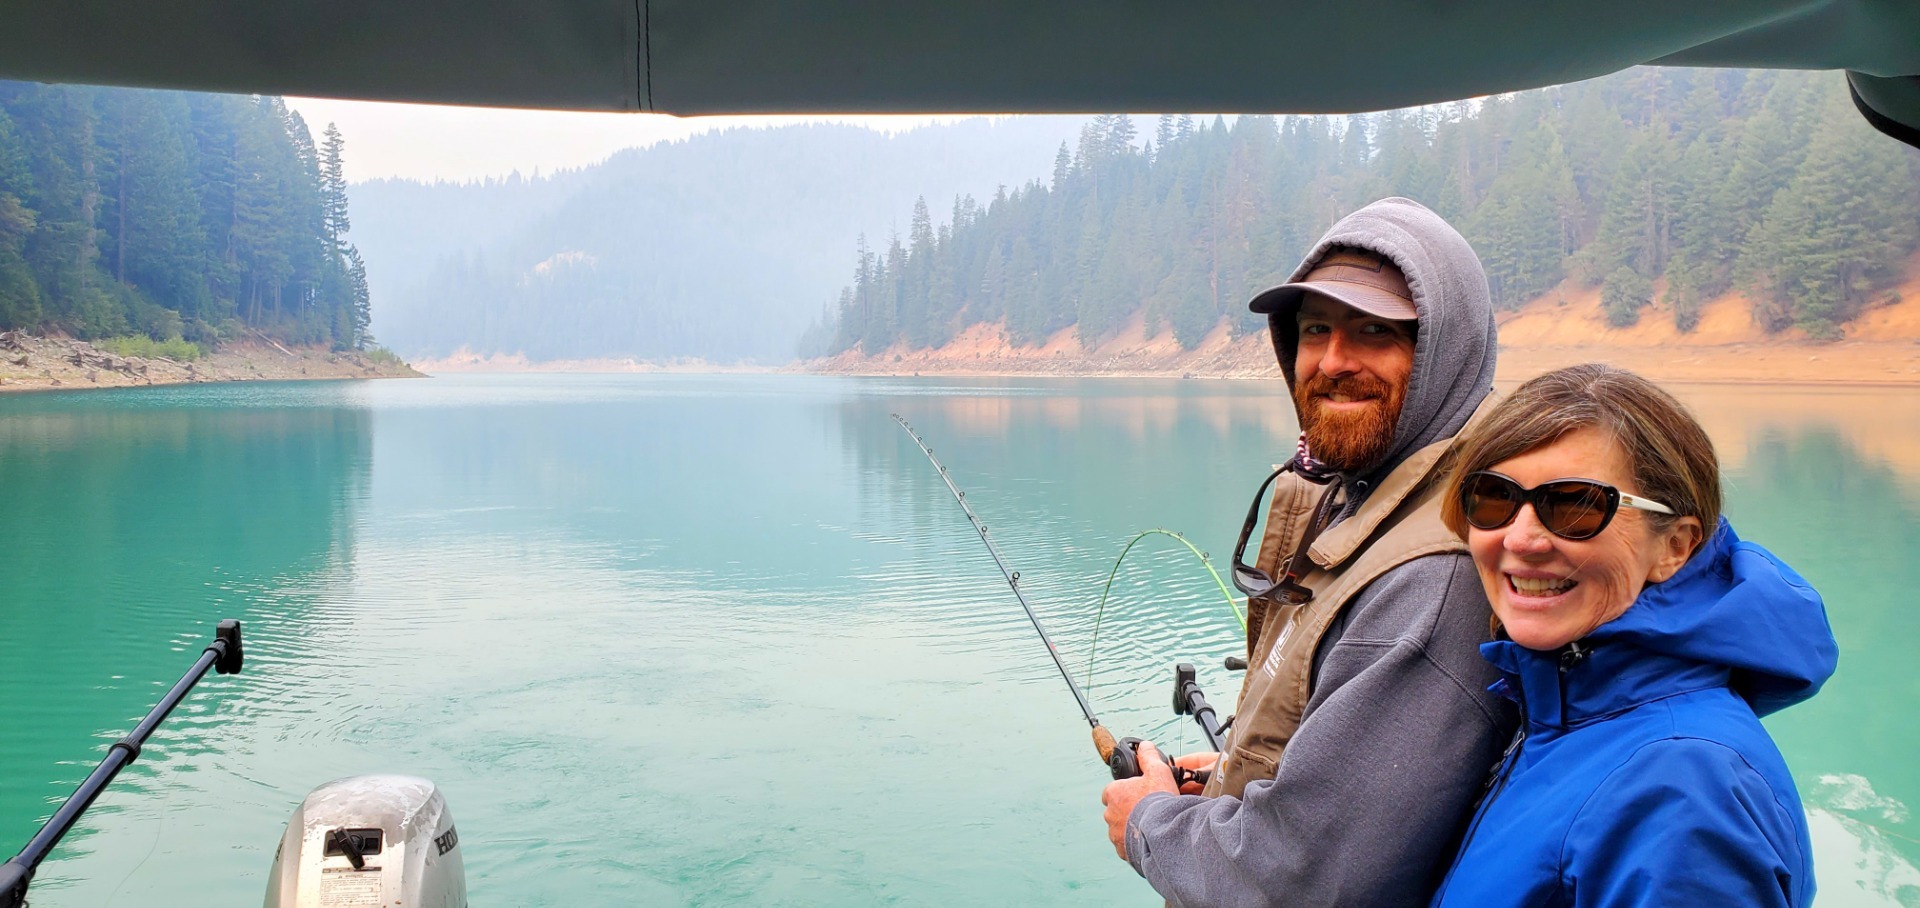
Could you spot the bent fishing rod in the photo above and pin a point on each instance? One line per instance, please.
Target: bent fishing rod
(1121, 756)
(223, 655)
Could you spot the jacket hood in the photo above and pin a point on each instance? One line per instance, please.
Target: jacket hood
(1453, 357)
(1733, 615)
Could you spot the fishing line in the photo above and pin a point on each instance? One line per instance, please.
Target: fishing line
(1206, 561)
(1120, 756)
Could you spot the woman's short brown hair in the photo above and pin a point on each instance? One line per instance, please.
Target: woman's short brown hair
(1670, 456)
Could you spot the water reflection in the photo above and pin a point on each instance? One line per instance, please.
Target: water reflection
(1880, 425)
(662, 636)
(134, 521)
(1845, 521)
(714, 476)
(1830, 480)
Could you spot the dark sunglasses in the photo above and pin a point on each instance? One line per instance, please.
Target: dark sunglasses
(1257, 583)
(1251, 580)
(1568, 508)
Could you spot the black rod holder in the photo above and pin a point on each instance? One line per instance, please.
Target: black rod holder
(1188, 701)
(224, 655)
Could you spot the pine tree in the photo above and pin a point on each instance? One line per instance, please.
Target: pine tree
(151, 216)
(1164, 131)
(1120, 135)
(125, 210)
(1624, 293)
(19, 292)
(1838, 230)
(360, 337)
(333, 187)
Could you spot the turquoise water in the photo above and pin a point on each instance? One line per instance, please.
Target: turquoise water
(725, 640)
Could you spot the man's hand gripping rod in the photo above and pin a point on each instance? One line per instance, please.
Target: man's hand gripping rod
(1120, 756)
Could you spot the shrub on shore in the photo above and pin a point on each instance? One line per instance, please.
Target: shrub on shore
(147, 348)
(383, 356)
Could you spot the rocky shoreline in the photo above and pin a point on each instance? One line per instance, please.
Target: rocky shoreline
(38, 363)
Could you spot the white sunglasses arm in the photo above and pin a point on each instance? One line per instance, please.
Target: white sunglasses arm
(1644, 504)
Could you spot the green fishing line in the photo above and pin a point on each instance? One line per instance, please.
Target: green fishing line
(1205, 561)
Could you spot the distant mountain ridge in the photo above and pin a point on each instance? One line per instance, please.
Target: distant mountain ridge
(721, 247)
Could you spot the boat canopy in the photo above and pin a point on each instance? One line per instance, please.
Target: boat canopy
(689, 57)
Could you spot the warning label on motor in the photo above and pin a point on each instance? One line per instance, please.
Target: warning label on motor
(344, 887)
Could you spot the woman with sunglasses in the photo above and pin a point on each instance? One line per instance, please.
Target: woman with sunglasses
(1641, 641)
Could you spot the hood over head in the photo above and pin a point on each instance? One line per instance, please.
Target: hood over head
(1734, 604)
(1454, 351)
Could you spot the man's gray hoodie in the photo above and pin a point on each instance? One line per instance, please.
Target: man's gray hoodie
(1399, 731)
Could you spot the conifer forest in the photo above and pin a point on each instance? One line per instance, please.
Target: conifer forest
(1675, 185)
(173, 215)
(209, 217)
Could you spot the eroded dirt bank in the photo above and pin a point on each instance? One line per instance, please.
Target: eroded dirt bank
(1563, 327)
(34, 363)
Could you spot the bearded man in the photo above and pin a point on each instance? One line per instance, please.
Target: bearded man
(1365, 727)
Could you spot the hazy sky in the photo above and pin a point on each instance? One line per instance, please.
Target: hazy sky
(426, 142)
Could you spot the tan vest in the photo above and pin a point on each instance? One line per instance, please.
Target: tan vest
(1398, 522)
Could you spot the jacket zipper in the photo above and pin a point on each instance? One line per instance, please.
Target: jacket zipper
(1503, 771)
(1489, 791)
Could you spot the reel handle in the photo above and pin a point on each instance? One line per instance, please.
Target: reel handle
(1125, 764)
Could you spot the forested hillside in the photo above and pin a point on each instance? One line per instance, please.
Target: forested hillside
(1676, 184)
(172, 215)
(716, 247)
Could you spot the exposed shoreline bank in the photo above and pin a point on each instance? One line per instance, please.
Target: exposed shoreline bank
(466, 362)
(1797, 363)
(64, 364)
(1563, 326)
(1842, 363)
(33, 363)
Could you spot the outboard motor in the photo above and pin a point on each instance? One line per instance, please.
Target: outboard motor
(377, 840)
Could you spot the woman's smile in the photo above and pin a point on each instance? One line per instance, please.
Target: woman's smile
(1538, 590)
(1548, 590)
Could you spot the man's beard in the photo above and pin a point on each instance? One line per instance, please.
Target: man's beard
(1349, 441)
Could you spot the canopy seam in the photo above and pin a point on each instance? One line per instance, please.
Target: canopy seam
(643, 10)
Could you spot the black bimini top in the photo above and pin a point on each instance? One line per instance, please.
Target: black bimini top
(690, 57)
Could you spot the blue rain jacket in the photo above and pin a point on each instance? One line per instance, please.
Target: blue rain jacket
(1642, 775)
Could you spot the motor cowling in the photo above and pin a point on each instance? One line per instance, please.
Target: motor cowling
(370, 842)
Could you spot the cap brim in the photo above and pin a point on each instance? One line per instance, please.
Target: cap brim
(1370, 300)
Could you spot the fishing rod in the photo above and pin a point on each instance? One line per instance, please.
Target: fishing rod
(1121, 756)
(223, 655)
(1206, 561)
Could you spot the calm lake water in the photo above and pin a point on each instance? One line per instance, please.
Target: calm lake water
(726, 640)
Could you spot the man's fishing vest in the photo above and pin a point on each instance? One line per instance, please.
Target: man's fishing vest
(1398, 522)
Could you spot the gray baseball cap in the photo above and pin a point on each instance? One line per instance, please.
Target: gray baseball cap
(1367, 281)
